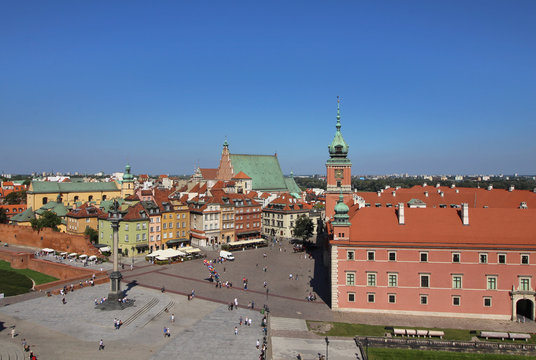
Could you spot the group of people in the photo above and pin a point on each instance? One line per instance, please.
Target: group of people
(117, 323)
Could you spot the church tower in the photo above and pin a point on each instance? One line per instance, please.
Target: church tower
(225, 170)
(339, 170)
(127, 185)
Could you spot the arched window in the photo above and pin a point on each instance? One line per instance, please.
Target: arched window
(45, 200)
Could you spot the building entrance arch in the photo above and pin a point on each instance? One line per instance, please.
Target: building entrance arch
(525, 309)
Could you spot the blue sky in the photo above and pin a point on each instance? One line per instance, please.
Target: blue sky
(426, 86)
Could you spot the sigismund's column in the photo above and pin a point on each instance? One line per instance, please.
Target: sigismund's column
(115, 277)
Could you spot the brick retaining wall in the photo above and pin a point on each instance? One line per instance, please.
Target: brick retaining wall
(47, 238)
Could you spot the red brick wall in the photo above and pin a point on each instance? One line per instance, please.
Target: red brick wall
(46, 238)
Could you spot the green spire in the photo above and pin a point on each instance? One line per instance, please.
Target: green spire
(338, 126)
(225, 143)
(338, 150)
(341, 216)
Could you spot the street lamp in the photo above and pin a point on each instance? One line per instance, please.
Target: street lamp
(327, 345)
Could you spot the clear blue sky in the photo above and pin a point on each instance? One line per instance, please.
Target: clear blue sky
(426, 86)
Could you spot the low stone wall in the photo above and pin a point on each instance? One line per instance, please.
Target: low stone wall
(482, 347)
(47, 238)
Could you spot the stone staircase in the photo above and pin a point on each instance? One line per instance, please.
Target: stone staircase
(11, 351)
(141, 311)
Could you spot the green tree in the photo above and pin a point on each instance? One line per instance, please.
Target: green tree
(303, 228)
(3, 216)
(16, 197)
(92, 234)
(47, 220)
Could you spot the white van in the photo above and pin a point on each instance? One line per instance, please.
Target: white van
(227, 255)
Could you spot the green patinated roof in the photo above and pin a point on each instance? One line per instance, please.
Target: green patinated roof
(264, 170)
(67, 187)
(106, 205)
(24, 216)
(292, 187)
(57, 208)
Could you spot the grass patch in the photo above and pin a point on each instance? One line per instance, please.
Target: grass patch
(402, 354)
(351, 330)
(37, 277)
(12, 283)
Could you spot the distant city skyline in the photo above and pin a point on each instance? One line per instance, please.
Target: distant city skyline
(426, 87)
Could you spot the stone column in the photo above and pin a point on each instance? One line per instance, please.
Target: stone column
(115, 276)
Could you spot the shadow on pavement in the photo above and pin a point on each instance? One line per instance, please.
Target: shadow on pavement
(320, 280)
(130, 285)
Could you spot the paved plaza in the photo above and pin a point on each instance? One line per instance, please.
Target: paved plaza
(204, 327)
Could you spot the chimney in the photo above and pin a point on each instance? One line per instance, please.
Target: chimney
(465, 214)
(426, 193)
(424, 185)
(379, 194)
(437, 185)
(401, 214)
(511, 188)
(452, 186)
(442, 194)
(457, 191)
(490, 187)
(393, 193)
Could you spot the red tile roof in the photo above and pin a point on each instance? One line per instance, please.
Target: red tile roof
(241, 175)
(135, 212)
(209, 174)
(475, 197)
(86, 211)
(436, 227)
(287, 202)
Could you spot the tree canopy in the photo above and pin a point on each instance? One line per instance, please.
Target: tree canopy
(16, 197)
(92, 234)
(47, 220)
(303, 228)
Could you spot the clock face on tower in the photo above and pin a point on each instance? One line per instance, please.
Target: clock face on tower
(339, 174)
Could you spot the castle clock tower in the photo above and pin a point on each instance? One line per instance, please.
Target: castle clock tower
(339, 170)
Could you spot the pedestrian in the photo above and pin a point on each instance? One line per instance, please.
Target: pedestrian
(13, 333)
(290, 276)
(246, 321)
(249, 322)
(252, 304)
(240, 320)
(235, 330)
(265, 284)
(258, 344)
(101, 345)
(172, 318)
(236, 303)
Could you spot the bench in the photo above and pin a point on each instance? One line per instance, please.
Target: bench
(494, 335)
(518, 336)
(422, 333)
(436, 333)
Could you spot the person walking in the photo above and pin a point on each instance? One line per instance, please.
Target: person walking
(236, 303)
(172, 318)
(13, 333)
(101, 345)
(235, 330)
(258, 344)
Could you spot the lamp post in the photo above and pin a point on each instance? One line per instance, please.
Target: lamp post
(327, 347)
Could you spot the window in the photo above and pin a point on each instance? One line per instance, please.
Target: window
(351, 297)
(371, 279)
(424, 257)
(455, 257)
(350, 278)
(126, 227)
(393, 280)
(170, 225)
(137, 226)
(487, 302)
(502, 259)
(392, 298)
(456, 300)
(456, 281)
(371, 297)
(524, 259)
(483, 258)
(183, 224)
(392, 255)
(492, 282)
(165, 235)
(126, 238)
(425, 281)
(524, 283)
(164, 226)
(370, 255)
(144, 236)
(151, 237)
(350, 255)
(424, 299)
(137, 237)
